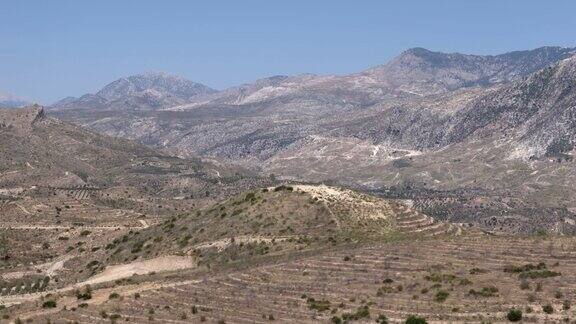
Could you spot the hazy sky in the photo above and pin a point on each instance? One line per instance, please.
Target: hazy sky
(53, 49)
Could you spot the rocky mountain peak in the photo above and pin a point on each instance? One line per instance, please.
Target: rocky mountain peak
(424, 72)
(147, 91)
(164, 83)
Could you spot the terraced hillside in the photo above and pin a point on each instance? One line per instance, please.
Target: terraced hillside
(257, 227)
(66, 193)
(475, 278)
(276, 220)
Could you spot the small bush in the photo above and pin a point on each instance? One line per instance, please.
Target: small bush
(441, 296)
(382, 319)
(87, 294)
(319, 305)
(485, 292)
(548, 309)
(361, 312)
(514, 315)
(114, 296)
(524, 268)
(413, 319)
(283, 187)
(477, 271)
(537, 274)
(49, 304)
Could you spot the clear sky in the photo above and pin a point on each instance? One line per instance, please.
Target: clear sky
(56, 48)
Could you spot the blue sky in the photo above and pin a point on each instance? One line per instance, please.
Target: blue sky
(52, 49)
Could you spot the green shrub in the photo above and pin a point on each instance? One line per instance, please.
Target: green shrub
(514, 315)
(87, 294)
(485, 292)
(319, 305)
(49, 304)
(548, 309)
(336, 320)
(361, 312)
(477, 271)
(382, 319)
(524, 268)
(440, 277)
(441, 296)
(283, 187)
(413, 319)
(537, 274)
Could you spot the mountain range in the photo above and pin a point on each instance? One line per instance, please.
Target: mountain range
(404, 193)
(421, 100)
(410, 123)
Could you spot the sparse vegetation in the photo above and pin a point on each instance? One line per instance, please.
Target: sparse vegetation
(413, 319)
(361, 313)
(319, 305)
(441, 296)
(49, 304)
(514, 315)
(485, 292)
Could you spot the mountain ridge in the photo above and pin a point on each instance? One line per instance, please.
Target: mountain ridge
(147, 91)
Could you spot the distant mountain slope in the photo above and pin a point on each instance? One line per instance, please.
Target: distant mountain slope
(345, 127)
(8, 100)
(38, 150)
(423, 72)
(539, 111)
(415, 72)
(148, 91)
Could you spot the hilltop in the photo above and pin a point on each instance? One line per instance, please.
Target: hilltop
(277, 220)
